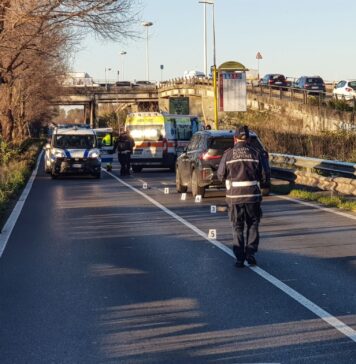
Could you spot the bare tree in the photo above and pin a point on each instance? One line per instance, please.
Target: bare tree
(38, 35)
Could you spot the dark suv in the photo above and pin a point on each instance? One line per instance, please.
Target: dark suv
(313, 84)
(274, 79)
(197, 166)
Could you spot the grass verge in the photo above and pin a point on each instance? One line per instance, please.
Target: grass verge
(328, 201)
(314, 195)
(14, 173)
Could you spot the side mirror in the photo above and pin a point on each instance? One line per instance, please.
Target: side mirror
(47, 146)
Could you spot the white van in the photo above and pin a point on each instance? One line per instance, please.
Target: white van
(159, 138)
(73, 151)
(194, 73)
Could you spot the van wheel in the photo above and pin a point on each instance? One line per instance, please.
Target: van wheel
(137, 169)
(179, 187)
(97, 175)
(196, 189)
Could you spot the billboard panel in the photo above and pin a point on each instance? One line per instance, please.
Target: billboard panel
(179, 105)
(232, 91)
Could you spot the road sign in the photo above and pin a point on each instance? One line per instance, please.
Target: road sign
(258, 55)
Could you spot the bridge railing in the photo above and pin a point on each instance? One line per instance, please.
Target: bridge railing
(325, 174)
(308, 97)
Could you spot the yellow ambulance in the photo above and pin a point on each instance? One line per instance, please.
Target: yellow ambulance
(159, 138)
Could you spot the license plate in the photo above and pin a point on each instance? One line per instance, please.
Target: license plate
(77, 165)
(315, 87)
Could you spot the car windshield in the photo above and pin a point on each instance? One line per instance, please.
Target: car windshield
(278, 77)
(146, 132)
(221, 143)
(352, 84)
(74, 141)
(315, 80)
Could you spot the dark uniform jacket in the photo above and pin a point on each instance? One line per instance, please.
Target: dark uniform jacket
(125, 144)
(241, 168)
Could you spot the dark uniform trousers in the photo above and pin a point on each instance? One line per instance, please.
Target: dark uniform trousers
(248, 214)
(125, 162)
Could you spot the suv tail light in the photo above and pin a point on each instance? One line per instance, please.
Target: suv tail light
(348, 89)
(270, 82)
(208, 157)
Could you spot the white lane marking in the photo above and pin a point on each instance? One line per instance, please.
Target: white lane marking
(327, 209)
(11, 221)
(318, 311)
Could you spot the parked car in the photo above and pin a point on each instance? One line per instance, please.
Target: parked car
(312, 84)
(345, 90)
(143, 84)
(273, 79)
(197, 166)
(123, 83)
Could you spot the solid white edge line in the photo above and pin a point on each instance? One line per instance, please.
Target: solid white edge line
(11, 221)
(309, 204)
(318, 311)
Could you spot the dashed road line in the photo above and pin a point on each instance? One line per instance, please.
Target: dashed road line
(318, 311)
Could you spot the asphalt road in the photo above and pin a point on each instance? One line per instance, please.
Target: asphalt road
(94, 272)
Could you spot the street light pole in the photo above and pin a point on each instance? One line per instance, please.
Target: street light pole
(147, 24)
(106, 79)
(216, 116)
(122, 53)
(212, 2)
(205, 41)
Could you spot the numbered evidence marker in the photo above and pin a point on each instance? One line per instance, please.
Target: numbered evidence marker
(166, 190)
(198, 198)
(213, 209)
(212, 234)
(183, 196)
(144, 186)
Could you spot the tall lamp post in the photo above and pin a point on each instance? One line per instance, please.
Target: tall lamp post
(147, 24)
(205, 42)
(212, 2)
(258, 57)
(122, 53)
(106, 79)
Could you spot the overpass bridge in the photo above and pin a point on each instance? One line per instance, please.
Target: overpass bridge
(136, 98)
(315, 113)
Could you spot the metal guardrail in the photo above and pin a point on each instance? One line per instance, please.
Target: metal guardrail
(327, 167)
(327, 175)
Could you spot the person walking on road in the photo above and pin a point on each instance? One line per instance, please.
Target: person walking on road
(242, 169)
(125, 146)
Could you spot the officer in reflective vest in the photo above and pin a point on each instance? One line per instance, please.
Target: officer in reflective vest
(241, 168)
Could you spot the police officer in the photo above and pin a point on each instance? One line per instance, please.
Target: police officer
(125, 146)
(242, 169)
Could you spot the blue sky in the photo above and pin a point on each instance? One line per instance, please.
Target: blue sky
(295, 37)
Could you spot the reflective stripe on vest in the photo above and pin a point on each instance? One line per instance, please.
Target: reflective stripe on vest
(242, 196)
(242, 160)
(244, 183)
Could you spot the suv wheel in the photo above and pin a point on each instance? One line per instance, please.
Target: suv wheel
(179, 187)
(196, 189)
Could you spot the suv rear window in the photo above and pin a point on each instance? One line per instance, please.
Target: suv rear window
(221, 143)
(314, 80)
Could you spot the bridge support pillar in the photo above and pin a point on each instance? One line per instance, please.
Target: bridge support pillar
(87, 114)
(92, 106)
